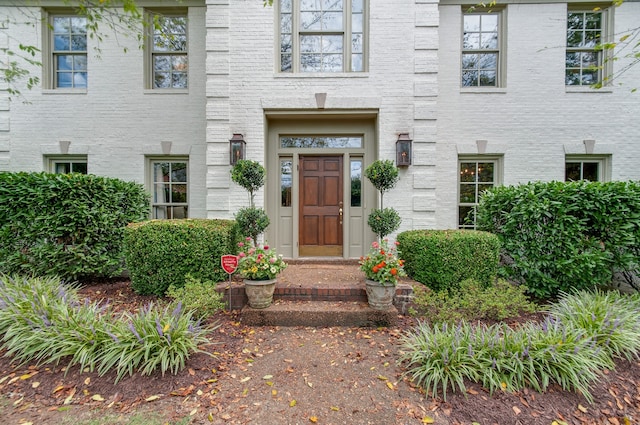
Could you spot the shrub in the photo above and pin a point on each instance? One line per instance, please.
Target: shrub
(198, 296)
(43, 321)
(248, 174)
(471, 302)
(252, 222)
(441, 259)
(384, 221)
(68, 225)
(160, 253)
(560, 237)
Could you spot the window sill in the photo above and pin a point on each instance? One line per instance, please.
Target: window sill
(495, 90)
(587, 89)
(321, 75)
(166, 91)
(64, 91)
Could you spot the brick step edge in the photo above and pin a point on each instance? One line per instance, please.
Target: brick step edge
(236, 299)
(319, 314)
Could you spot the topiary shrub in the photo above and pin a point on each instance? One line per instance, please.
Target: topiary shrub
(564, 236)
(384, 221)
(384, 176)
(252, 222)
(250, 175)
(160, 253)
(441, 259)
(68, 225)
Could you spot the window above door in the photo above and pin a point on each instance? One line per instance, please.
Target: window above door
(322, 36)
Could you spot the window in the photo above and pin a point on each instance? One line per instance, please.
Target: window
(322, 35)
(481, 57)
(168, 47)
(68, 164)
(286, 180)
(69, 51)
(586, 167)
(584, 59)
(476, 176)
(170, 189)
(356, 182)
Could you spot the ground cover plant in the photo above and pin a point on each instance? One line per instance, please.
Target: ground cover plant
(44, 321)
(471, 301)
(580, 339)
(198, 296)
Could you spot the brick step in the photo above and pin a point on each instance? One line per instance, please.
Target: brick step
(319, 314)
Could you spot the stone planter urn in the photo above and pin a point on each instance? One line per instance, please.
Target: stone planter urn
(260, 292)
(380, 296)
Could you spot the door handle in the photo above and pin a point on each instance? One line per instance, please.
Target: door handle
(340, 212)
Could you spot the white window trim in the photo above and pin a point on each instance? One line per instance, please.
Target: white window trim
(150, 161)
(148, 50)
(52, 160)
(606, 55)
(498, 168)
(295, 61)
(501, 77)
(48, 66)
(604, 162)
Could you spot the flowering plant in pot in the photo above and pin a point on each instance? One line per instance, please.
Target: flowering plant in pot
(259, 262)
(382, 268)
(259, 266)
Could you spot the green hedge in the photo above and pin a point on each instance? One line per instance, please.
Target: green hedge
(563, 236)
(69, 225)
(441, 259)
(160, 253)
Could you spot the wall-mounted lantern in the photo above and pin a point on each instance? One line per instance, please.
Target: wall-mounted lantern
(403, 150)
(236, 148)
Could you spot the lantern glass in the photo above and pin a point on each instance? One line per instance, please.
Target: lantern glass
(403, 151)
(236, 149)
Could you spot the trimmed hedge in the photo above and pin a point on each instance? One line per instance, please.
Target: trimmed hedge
(441, 259)
(161, 253)
(69, 225)
(564, 236)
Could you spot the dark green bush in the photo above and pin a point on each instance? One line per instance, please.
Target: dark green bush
(69, 225)
(160, 253)
(252, 222)
(564, 236)
(384, 221)
(441, 259)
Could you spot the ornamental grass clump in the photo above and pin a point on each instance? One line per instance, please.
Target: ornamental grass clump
(151, 339)
(610, 318)
(43, 321)
(382, 263)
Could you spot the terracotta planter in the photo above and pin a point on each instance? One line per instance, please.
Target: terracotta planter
(380, 296)
(260, 292)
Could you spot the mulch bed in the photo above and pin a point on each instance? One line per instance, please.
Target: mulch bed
(298, 375)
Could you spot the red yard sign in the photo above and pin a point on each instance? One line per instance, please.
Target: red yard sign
(229, 263)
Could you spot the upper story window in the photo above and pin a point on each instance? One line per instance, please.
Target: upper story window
(584, 58)
(168, 46)
(69, 51)
(322, 35)
(481, 50)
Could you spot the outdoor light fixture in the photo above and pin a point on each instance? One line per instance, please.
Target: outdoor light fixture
(403, 150)
(236, 148)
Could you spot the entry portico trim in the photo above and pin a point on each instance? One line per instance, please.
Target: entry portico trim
(284, 230)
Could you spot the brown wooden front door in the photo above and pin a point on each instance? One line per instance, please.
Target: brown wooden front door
(320, 231)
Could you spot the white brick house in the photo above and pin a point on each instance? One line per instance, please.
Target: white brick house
(319, 89)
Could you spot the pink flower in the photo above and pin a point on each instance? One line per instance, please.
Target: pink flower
(240, 244)
(242, 255)
(375, 245)
(272, 260)
(248, 239)
(266, 247)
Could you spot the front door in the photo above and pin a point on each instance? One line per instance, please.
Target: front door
(320, 230)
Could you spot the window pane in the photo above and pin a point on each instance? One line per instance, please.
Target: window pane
(468, 172)
(590, 171)
(485, 172)
(321, 142)
(178, 193)
(356, 183)
(62, 168)
(467, 193)
(572, 171)
(472, 23)
(79, 167)
(466, 217)
(286, 181)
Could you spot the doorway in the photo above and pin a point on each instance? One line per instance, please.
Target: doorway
(321, 206)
